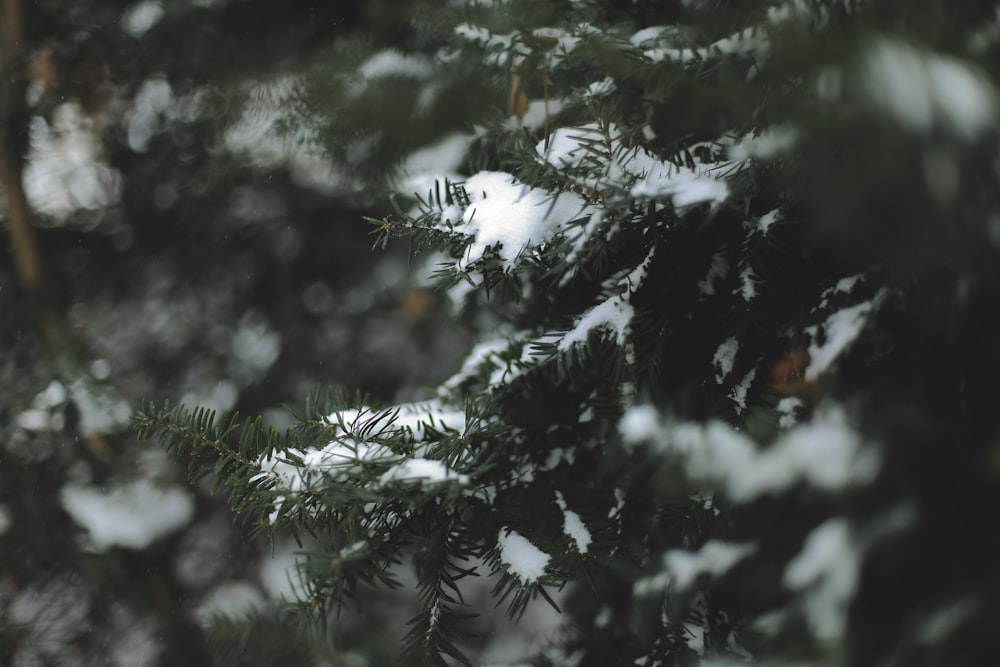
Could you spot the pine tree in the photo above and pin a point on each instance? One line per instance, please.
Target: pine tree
(728, 271)
(732, 271)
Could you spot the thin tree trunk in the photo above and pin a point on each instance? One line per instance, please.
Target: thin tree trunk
(22, 235)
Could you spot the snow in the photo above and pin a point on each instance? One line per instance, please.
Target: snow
(827, 571)
(725, 357)
(391, 62)
(787, 408)
(825, 453)
(142, 121)
(573, 526)
(765, 221)
(511, 217)
(745, 42)
(718, 270)
(348, 455)
(713, 558)
(597, 152)
(425, 471)
(100, 409)
(66, 168)
(141, 17)
(841, 329)
(748, 284)
(614, 314)
(647, 35)
(429, 168)
(684, 187)
(40, 416)
(522, 558)
(600, 88)
(739, 392)
(257, 137)
(766, 144)
(923, 90)
(229, 598)
(485, 352)
(639, 423)
(131, 515)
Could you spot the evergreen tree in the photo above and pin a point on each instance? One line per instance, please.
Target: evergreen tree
(728, 271)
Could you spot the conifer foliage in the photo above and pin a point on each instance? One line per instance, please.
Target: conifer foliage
(731, 269)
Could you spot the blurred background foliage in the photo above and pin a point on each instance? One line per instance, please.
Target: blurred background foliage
(185, 241)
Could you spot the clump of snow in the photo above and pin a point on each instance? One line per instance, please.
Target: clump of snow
(921, 90)
(614, 314)
(718, 270)
(748, 41)
(827, 571)
(230, 598)
(512, 217)
(600, 88)
(647, 35)
(421, 471)
(787, 408)
(740, 391)
(840, 329)
(66, 168)
(427, 169)
(485, 352)
(766, 144)
(748, 283)
(522, 558)
(725, 357)
(640, 423)
(597, 153)
(685, 187)
(101, 409)
(131, 515)
(142, 121)
(390, 62)
(40, 417)
(351, 452)
(573, 526)
(141, 17)
(713, 558)
(825, 452)
(765, 221)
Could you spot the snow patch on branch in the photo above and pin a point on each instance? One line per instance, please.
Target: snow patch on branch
(522, 558)
(826, 571)
(513, 218)
(824, 452)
